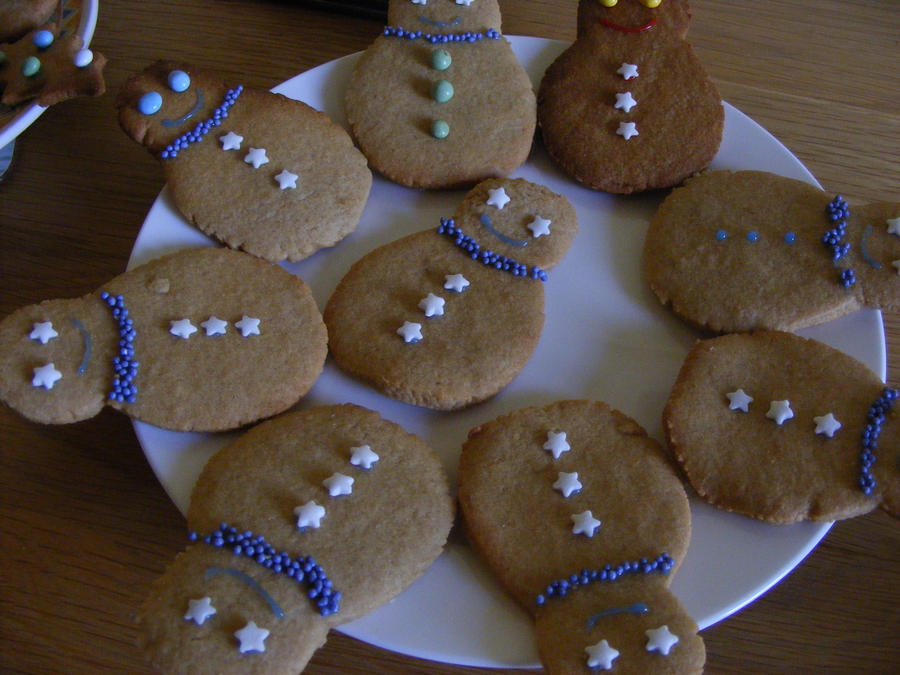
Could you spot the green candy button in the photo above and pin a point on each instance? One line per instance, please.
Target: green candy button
(31, 66)
(442, 91)
(440, 59)
(440, 129)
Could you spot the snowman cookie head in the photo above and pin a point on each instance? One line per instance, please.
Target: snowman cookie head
(168, 99)
(444, 16)
(634, 18)
(519, 220)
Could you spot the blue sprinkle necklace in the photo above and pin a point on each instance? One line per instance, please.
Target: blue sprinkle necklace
(838, 212)
(662, 564)
(487, 257)
(304, 570)
(198, 132)
(875, 417)
(436, 38)
(124, 365)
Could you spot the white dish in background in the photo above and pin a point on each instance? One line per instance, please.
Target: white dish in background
(605, 337)
(14, 121)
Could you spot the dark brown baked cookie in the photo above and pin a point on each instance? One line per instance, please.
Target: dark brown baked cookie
(628, 107)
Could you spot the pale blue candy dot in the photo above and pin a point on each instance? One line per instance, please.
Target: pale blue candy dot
(179, 80)
(31, 66)
(440, 59)
(43, 39)
(442, 91)
(150, 103)
(440, 129)
(83, 58)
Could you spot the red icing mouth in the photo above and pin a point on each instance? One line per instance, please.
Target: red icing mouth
(629, 29)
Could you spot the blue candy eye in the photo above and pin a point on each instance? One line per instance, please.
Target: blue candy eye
(43, 39)
(150, 103)
(179, 81)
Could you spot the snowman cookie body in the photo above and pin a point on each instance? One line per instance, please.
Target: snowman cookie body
(628, 107)
(440, 100)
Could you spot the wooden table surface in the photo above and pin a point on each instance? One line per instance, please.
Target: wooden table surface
(84, 524)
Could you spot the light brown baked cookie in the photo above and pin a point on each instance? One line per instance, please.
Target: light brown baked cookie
(427, 321)
(738, 251)
(273, 177)
(18, 17)
(204, 339)
(780, 428)
(584, 521)
(432, 110)
(362, 507)
(49, 68)
(629, 107)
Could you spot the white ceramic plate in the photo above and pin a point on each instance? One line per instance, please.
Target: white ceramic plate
(82, 15)
(605, 337)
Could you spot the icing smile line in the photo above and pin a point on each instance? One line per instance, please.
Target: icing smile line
(188, 115)
(252, 583)
(629, 29)
(486, 221)
(439, 24)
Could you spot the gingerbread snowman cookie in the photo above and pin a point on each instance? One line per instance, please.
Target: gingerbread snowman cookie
(203, 339)
(447, 318)
(439, 99)
(584, 521)
(784, 429)
(305, 522)
(737, 251)
(629, 107)
(256, 170)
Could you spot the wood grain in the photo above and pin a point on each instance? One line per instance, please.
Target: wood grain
(85, 527)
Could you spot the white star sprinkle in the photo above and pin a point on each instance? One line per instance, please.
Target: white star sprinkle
(780, 411)
(625, 101)
(600, 655)
(827, 424)
(182, 328)
(419, 2)
(252, 638)
(896, 263)
(214, 326)
(568, 483)
(464, 2)
(556, 443)
(410, 331)
(338, 485)
(455, 282)
(893, 226)
(231, 141)
(627, 129)
(309, 514)
(432, 305)
(539, 227)
(363, 457)
(43, 332)
(248, 326)
(286, 179)
(256, 157)
(199, 610)
(585, 523)
(45, 376)
(628, 70)
(497, 197)
(660, 640)
(738, 400)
